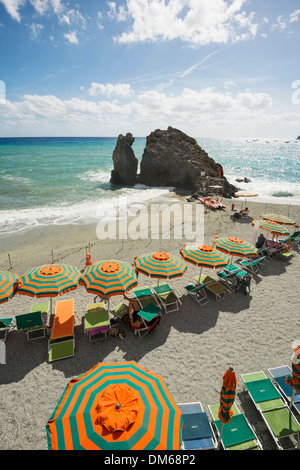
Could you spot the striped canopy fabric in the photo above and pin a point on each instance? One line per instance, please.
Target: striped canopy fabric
(160, 265)
(8, 285)
(236, 247)
(227, 396)
(280, 219)
(108, 278)
(294, 379)
(49, 281)
(272, 227)
(204, 256)
(118, 406)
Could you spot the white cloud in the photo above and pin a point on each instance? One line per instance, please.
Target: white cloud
(12, 7)
(113, 14)
(71, 37)
(294, 16)
(196, 21)
(109, 89)
(36, 30)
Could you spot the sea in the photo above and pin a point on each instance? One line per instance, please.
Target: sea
(66, 180)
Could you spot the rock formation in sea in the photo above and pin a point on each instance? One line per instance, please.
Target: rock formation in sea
(171, 158)
(125, 162)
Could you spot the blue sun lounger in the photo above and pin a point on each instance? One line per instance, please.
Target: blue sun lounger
(197, 432)
(279, 374)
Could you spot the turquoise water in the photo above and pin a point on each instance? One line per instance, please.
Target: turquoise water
(66, 180)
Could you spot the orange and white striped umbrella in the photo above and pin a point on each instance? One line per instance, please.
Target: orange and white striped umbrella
(118, 406)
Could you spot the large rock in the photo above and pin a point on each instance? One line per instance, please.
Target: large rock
(172, 158)
(125, 162)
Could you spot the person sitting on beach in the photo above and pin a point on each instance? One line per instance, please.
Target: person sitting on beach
(133, 309)
(236, 215)
(244, 212)
(260, 241)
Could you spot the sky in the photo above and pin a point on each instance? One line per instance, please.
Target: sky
(211, 68)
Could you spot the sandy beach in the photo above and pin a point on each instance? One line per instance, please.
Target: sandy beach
(191, 348)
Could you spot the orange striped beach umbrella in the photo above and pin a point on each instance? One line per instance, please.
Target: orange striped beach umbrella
(160, 265)
(49, 281)
(280, 219)
(8, 286)
(227, 397)
(294, 379)
(273, 227)
(204, 256)
(118, 406)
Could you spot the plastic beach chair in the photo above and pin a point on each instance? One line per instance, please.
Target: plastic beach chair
(197, 431)
(279, 374)
(120, 311)
(150, 316)
(212, 286)
(5, 326)
(31, 324)
(96, 321)
(167, 297)
(278, 418)
(253, 266)
(145, 296)
(42, 307)
(62, 339)
(198, 293)
(238, 434)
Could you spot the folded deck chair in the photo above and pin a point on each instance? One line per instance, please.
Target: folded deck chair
(5, 326)
(31, 324)
(62, 339)
(96, 321)
(279, 374)
(275, 412)
(212, 286)
(42, 307)
(238, 434)
(145, 296)
(254, 265)
(167, 297)
(198, 293)
(197, 432)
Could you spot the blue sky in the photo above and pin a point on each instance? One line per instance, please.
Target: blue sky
(212, 68)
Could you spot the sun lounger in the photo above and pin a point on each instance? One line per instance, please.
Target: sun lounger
(42, 307)
(120, 311)
(62, 339)
(212, 286)
(150, 315)
(275, 412)
(167, 297)
(31, 324)
(198, 293)
(254, 265)
(238, 434)
(293, 238)
(96, 321)
(197, 432)
(6, 324)
(145, 296)
(279, 374)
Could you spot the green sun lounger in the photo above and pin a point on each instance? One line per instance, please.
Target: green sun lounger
(42, 307)
(61, 350)
(150, 315)
(31, 324)
(145, 296)
(120, 311)
(253, 266)
(5, 326)
(96, 321)
(197, 293)
(238, 434)
(167, 297)
(212, 286)
(275, 412)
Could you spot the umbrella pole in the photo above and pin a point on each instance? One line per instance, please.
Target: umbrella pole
(220, 437)
(292, 399)
(200, 275)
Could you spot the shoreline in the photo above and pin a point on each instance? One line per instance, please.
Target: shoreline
(191, 349)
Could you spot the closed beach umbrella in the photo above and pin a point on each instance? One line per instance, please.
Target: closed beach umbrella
(227, 397)
(49, 281)
(119, 406)
(108, 278)
(294, 379)
(8, 286)
(160, 265)
(280, 219)
(272, 227)
(204, 256)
